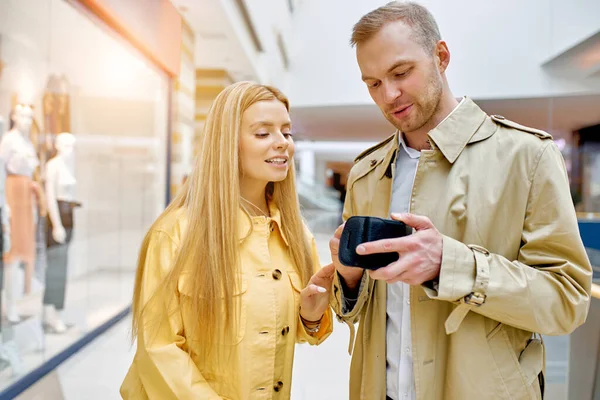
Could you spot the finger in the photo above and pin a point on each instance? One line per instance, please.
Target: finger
(324, 273)
(334, 246)
(395, 245)
(402, 277)
(324, 277)
(391, 271)
(419, 222)
(339, 230)
(313, 289)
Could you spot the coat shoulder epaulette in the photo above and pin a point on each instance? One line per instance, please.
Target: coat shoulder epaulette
(373, 148)
(499, 119)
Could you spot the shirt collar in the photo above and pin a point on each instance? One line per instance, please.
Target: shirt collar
(412, 153)
(467, 123)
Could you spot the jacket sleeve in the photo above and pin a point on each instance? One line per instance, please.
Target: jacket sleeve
(547, 288)
(165, 368)
(348, 308)
(302, 336)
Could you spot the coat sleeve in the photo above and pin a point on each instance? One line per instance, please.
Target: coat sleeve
(347, 308)
(327, 322)
(165, 369)
(547, 288)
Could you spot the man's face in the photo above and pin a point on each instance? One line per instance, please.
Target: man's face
(403, 79)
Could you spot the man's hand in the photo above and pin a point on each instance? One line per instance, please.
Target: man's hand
(420, 253)
(351, 275)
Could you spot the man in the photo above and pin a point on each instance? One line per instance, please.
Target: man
(495, 259)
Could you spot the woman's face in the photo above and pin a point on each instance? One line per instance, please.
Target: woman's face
(266, 143)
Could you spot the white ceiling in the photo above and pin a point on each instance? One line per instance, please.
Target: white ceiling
(216, 43)
(365, 122)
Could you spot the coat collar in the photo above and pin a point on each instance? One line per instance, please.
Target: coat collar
(467, 124)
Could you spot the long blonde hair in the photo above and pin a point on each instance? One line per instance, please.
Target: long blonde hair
(209, 249)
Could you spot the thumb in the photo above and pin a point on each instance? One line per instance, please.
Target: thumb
(419, 222)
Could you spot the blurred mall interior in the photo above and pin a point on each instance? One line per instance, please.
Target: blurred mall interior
(130, 82)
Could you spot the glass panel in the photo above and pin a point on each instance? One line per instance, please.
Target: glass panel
(101, 197)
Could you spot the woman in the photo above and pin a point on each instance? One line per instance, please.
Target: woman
(225, 283)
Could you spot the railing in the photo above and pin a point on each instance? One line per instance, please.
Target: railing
(318, 196)
(596, 291)
(588, 216)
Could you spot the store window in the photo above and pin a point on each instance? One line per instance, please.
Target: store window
(83, 132)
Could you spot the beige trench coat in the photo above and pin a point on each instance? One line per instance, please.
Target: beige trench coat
(499, 194)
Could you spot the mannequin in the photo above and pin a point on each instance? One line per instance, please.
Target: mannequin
(5, 235)
(8, 349)
(20, 163)
(60, 193)
(4, 215)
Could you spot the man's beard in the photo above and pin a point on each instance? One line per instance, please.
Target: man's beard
(424, 108)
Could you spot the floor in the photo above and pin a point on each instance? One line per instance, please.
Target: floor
(91, 300)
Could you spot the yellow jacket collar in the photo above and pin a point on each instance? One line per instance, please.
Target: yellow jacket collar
(246, 221)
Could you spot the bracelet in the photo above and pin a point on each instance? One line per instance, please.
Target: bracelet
(311, 330)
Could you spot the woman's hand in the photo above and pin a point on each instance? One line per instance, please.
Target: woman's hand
(315, 296)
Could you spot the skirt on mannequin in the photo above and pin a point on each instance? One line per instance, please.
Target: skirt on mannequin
(19, 197)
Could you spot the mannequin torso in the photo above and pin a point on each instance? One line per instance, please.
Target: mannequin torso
(18, 153)
(60, 183)
(61, 175)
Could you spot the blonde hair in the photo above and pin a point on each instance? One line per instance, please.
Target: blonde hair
(425, 30)
(209, 250)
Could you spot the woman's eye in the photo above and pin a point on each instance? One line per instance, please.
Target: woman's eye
(261, 134)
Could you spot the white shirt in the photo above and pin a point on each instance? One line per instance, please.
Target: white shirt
(18, 154)
(60, 178)
(400, 378)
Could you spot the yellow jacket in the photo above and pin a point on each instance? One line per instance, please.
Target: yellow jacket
(499, 194)
(260, 365)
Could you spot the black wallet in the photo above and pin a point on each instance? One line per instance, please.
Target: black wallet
(367, 229)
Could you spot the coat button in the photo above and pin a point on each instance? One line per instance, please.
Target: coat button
(272, 226)
(498, 116)
(285, 331)
(373, 162)
(277, 274)
(278, 386)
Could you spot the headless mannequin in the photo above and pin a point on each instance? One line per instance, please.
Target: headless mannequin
(21, 160)
(4, 213)
(8, 349)
(60, 193)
